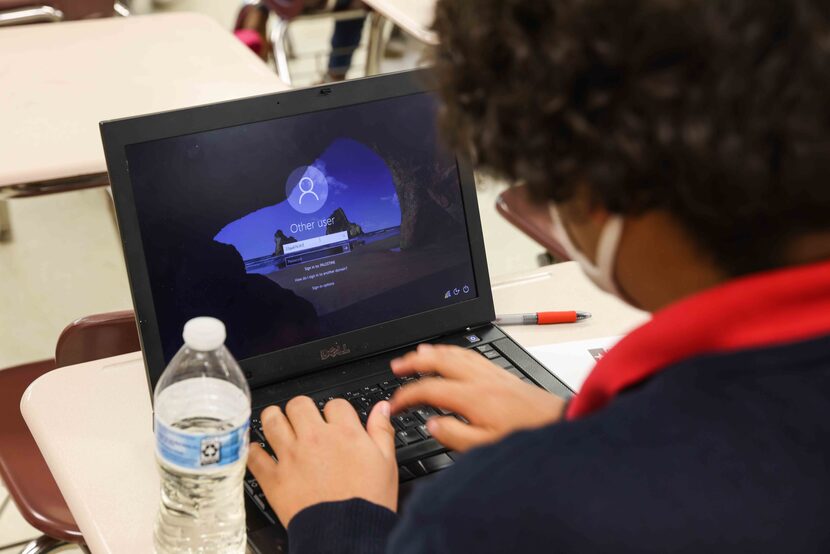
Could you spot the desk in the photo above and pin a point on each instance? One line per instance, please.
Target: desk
(94, 425)
(61, 79)
(414, 17)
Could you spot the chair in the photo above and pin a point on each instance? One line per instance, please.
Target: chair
(532, 219)
(18, 12)
(22, 468)
(285, 12)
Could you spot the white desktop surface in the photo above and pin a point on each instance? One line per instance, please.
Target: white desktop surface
(93, 421)
(59, 80)
(415, 17)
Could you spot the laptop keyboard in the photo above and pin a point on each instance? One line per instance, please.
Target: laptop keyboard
(418, 454)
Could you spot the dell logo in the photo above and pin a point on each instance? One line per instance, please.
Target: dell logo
(334, 351)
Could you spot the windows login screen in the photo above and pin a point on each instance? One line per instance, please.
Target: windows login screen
(305, 227)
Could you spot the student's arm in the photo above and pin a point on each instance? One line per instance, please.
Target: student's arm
(347, 527)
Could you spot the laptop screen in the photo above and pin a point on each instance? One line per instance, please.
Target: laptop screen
(304, 227)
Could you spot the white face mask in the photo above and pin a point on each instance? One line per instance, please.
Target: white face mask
(601, 272)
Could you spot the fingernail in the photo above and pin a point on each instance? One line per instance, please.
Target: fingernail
(385, 409)
(424, 347)
(394, 363)
(432, 425)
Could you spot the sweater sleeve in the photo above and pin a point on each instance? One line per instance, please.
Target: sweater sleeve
(353, 526)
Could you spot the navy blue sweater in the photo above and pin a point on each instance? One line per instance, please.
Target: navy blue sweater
(718, 453)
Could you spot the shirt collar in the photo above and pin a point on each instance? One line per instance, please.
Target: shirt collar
(763, 309)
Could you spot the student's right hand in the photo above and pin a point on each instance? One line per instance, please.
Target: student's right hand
(494, 402)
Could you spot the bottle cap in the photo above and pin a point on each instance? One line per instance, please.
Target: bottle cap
(204, 333)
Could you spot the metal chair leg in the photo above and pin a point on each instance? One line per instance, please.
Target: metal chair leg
(33, 14)
(121, 9)
(374, 50)
(44, 544)
(5, 222)
(279, 34)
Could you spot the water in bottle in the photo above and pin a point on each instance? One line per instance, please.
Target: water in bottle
(202, 406)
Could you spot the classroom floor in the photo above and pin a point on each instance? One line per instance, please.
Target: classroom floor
(65, 259)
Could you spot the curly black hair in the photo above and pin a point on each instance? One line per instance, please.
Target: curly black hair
(717, 111)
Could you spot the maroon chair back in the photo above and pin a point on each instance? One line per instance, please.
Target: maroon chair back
(532, 218)
(72, 9)
(22, 468)
(97, 336)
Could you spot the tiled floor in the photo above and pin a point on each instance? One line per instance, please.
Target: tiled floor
(65, 260)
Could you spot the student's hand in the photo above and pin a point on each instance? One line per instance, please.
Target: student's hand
(494, 402)
(325, 460)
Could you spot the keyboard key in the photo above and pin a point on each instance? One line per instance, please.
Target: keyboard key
(404, 474)
(437, 463)
(484, 348)
(417, 469)
(376, 397)
(410, 436)
(491, 354)
(444, 411)
(389, 385)
(361, 402)
(405, 421)
(422, 429)
(455, 456)
(501, 362)
(424, 413)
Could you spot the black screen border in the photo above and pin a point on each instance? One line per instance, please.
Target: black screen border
(302, 359)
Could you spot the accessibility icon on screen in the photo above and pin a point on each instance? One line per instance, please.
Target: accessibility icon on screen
(307, 189)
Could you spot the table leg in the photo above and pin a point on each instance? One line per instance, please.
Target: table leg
(44, 544)
(279, 36)
(5, 222)
(374, 50)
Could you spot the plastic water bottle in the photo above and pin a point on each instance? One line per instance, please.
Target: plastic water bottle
(202, 408)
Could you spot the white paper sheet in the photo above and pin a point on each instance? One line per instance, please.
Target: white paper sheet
(571, 362)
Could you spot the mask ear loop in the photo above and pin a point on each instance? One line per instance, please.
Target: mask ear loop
(607, 254)
(601, 271)
(561, 234)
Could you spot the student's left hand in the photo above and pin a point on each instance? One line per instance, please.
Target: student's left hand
(325, 460)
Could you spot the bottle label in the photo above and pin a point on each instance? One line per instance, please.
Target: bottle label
(201, 451)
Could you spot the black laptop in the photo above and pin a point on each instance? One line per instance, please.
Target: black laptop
(330, 229)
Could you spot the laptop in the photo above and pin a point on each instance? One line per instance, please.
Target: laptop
(330, 229)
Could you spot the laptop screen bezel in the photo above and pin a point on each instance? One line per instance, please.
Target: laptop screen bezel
(305, 358)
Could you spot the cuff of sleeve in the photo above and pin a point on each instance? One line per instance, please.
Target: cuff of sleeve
(345, 527)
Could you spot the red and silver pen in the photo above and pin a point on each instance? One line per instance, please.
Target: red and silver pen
(542, 318)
